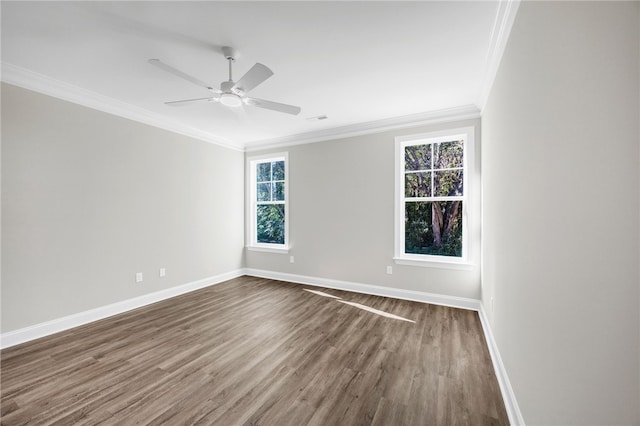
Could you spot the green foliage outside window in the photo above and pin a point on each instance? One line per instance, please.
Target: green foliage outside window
(270, 223)
(426, 231)
(434, 227)
(270, 197)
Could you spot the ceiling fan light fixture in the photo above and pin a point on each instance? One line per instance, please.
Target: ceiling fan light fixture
(230, 100)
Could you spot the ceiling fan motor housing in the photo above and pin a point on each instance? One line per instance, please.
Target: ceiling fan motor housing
(232, 98)
(229, 52)
(226, 86)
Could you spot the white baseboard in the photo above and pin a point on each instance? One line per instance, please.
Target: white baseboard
(510, 402)
(396, 293)
(511, 405)
(36, 331)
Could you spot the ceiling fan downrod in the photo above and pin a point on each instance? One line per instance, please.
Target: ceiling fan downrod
(230, 54)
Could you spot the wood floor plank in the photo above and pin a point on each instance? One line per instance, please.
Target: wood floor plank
(253, 351)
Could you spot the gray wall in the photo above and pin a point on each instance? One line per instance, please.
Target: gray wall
(89, 199)
(560, 207)
(341, 209)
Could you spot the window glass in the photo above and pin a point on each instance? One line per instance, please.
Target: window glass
(264, 172)
(432, 184)
(270, 223)
(447, 183)
(434, 228)
(417, 184)
(268, 202)
(417, 157)
(448, 154)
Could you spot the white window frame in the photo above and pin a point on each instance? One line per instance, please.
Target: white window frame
(252, 237)
(466, 134)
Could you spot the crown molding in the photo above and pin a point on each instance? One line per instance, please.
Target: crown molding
(500, 34)
(465, 112)
(27, 79)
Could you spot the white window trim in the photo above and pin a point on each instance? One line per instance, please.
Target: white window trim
(251, 243)
(469, 216)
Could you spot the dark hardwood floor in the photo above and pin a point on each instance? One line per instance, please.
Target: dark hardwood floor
(256, 351)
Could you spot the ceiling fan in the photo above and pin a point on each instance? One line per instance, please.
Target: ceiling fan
(231, 93)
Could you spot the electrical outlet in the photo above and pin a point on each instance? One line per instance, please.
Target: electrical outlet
(163, 272)
(291, 259)
(138, 277)
(492, 304)
(389, 270)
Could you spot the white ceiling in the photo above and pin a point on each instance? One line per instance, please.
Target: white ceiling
(360, 63)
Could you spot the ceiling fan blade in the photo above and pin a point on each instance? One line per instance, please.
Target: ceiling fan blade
(168, 68)
(191, 101)
(256, 75)
(275, 106)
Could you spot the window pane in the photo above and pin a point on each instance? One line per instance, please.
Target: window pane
(278, 191)
(433, 228)
(417, 157)
(448, 154)
(417, 184)
(263, 192)
(270, 223)
(447, 183)
(278, 170)
(263, 172)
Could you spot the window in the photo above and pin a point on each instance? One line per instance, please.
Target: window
(268, 192)
(432, 208)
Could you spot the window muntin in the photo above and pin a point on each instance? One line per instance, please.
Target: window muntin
(268, 199)
(432, 201)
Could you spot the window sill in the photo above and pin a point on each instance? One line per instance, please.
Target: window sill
(433, 263)
(279, 250)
